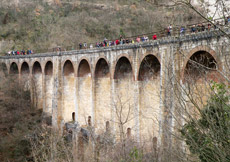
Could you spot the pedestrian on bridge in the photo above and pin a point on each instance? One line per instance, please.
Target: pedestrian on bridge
(80, 45)
(138, 39)
(154, 37)
(169, 30)
(85, 45)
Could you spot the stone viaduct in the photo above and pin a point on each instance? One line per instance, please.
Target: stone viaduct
(125, 83)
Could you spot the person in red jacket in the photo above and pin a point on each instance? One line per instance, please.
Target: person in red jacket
(154, 37)
(117, 42)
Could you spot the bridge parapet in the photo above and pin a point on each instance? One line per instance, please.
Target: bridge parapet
(152, 43)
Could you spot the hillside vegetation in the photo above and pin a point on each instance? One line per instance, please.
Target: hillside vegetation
(45, 24)
(18, 120)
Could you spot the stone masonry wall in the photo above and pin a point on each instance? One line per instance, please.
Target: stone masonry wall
(132, 79)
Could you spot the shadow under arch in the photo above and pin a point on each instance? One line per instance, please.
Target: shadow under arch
(123, 69)
(149, 68)
(37, 99)
(37, 69)
(83, 68)
(14, 68)
(68, 68)
(25, 77)
(102, 68)
(199, 65)
(49, 68)
(25, 68)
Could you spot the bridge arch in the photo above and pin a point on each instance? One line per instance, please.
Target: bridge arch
(124, 90)
(201, 48)
(156, 54)
(35, 64)
(199, 60)
(68, 68)
(48, 68)
(199, 69)
(25, 73)
(102, 68)
(48, 80)
(149, 99)
(25, 69)
(14, 68)
(149, 68)
(37, 69)
(102, 91)
(69, 87)
(84, 68)
(123, 68)
(85, 95)
(37, 85)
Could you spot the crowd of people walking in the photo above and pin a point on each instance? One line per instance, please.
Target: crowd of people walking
(22, 52)
(170, 30)
(120, 41)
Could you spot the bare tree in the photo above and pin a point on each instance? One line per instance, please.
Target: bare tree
(47, 145)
